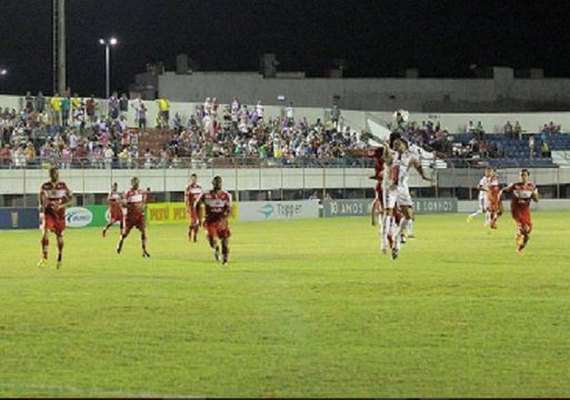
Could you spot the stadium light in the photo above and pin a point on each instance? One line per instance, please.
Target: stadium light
(108, 43)
(3, 71)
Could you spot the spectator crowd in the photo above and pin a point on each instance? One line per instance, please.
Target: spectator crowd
(74, 132)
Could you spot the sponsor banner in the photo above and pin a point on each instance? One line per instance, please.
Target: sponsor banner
(78, 217)
(174, 213)
(271, 210)
(88, 216)
(19, 218)
(339, 208)
(435, 205)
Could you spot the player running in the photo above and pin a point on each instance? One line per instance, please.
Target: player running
(494, 204)
(397, 190)
(522, 193)
(218, 207)
(191, 194)
(115, 203)
(54, 197)
(483, 189)
(135, 200)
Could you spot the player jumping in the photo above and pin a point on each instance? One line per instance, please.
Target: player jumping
(397, 190)
(54, 197)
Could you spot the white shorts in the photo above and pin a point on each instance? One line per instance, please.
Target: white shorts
(483, 203)
(400, 195)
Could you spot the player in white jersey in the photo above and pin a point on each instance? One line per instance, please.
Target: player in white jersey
(483, 187)
(397, 191)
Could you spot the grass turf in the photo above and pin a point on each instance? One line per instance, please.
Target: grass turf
(307, 308)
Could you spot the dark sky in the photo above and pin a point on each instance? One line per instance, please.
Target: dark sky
(375, 37)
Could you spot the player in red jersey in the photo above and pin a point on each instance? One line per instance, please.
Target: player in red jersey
(114, 200)
(191, 194)
(135, 200)
(522, 192)
(494, 204)
(54, 197)
(218, 207)
(377, 207)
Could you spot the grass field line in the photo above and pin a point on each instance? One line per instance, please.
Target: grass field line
(56, 389)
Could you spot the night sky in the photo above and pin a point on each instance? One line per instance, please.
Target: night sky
(375, 37)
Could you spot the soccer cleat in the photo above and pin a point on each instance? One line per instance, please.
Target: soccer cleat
(217, 253)
(520, 250)
(104, 233)
(145, 254)
(395, 253)
(411, 236)
(469, 219)
(225, 264)
(58, 265)
(119, 248)
(42, 262)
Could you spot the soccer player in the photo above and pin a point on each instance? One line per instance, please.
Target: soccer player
(522, 192)
(135, 200)
(191, 194)
(54, 197)
(377, 207)
(114, 199)
(493, 200)
(483, 188)
(377, 214)
(397, 191)
(218, 207)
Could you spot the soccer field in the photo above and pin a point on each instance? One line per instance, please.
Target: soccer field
(307, 308)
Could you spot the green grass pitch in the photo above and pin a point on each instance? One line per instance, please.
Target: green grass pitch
(307, 308)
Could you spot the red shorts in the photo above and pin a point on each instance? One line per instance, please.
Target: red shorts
(54, 223)
(134, 220)
(192, 217)
(523, 222)
(218, 229)
(116, 215)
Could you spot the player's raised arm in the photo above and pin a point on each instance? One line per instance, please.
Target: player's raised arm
(418, 166)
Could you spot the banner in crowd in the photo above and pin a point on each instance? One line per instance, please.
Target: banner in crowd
(173, 213)
(271, 210)
(339, 208)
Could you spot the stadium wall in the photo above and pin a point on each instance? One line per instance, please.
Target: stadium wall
(502, 92)
(23, 181)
